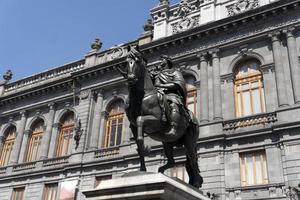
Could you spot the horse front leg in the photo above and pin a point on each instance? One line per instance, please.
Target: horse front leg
(140, 142)
(168, 149)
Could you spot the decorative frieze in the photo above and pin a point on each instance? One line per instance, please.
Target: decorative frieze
(242, 6)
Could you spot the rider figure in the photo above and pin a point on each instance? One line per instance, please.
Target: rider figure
(171, 82)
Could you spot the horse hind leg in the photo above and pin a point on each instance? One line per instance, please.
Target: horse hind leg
(168, 149)
(192, 167)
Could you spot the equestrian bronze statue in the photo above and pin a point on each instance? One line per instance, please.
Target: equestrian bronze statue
(156, 106)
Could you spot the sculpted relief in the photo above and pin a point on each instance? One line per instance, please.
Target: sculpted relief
(242, 6)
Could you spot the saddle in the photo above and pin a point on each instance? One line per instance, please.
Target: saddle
(166, 109)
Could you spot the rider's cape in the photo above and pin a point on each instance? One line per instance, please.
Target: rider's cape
(174, 76)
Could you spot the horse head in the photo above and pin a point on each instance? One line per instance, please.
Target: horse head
(135, 67)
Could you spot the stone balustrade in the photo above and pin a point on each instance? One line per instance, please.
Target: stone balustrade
(24, 166)
(56, 161)
(3, 170)
(56, 72)
(263, 119)
(107, 152)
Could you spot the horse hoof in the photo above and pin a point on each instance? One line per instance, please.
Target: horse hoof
(161, 170)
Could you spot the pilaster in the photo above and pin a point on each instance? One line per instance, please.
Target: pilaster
(104, 115)
(48, 132)
(217, 101)
(294, 63)
(204, 115)
(95, 134)
(279, 71)
(15, 154)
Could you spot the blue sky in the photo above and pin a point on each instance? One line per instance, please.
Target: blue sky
(36, 35)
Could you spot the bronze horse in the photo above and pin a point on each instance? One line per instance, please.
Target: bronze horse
(145, 115)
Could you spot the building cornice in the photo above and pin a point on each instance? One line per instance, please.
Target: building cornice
(219, 27)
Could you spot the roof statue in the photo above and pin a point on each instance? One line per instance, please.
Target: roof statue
(8, 75)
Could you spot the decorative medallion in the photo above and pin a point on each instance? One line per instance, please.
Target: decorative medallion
(242, 6)
(185, 24)
(116, 53)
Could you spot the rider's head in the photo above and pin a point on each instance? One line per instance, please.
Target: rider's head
(166, 62)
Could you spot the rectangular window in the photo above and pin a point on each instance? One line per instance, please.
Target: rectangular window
(18, 194)
(50, 191)
(99, 179)
(253, 168)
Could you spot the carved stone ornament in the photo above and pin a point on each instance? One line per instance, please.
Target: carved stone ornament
(116, 53)
(185, 24)
(148, 25)
(84, 94)
(96, 45)
(8, 75)
(242, 6)
(164, 2)
(184, 8)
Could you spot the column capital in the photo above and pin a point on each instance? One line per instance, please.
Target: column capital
(104, 113)
(202, 56)
(274, 36)
(52, 105)
(23, 113)
(289, 32)
(99, 92)
(27, 132)
(215, 53)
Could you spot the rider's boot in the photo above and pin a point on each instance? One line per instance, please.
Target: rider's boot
(175, 120)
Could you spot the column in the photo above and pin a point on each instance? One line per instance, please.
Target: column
(279, 71)
(18, 141)
(217, 101)
(294, 63)
(53, 140)
(48, 132)
(104, 115)
(94, 140)
(203, 88)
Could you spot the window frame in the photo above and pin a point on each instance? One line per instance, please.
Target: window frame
(46, 191)
(15, 192)
(117, 113)
(66, 129)
(7, 146)
(35, 138)
(248, 79)
(244, 168)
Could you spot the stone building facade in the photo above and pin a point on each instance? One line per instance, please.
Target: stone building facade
(241, 62)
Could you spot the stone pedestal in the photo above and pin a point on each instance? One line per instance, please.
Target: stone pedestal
(144, 186)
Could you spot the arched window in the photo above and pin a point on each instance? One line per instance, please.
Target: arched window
(191, 100)
(114, 124)
(7, 145)
(64, 140)
(248, 89)
(35, 140)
